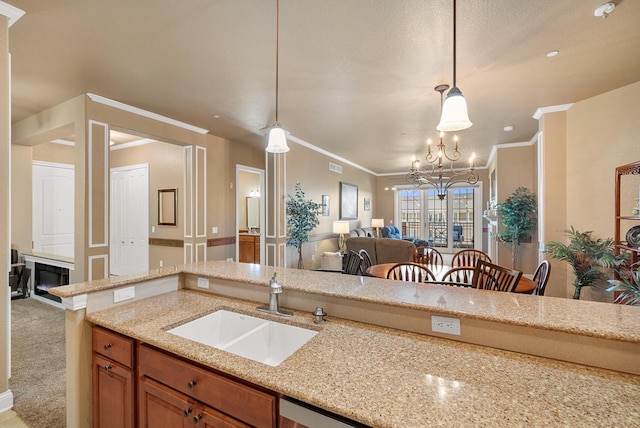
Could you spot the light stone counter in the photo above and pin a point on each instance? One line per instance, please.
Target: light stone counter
(389, 378)
(592, 319)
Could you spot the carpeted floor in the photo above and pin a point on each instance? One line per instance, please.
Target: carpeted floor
(38, 363)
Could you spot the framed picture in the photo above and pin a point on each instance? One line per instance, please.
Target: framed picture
(348, 201)
(167, 207)
(325, 205)
(367, 204)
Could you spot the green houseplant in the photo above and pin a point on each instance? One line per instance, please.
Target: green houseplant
(587, 256)
(302, 218)
(628, 286)
(518, 216)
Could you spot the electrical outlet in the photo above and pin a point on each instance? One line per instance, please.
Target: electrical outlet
(445, 325)
(313, 257)
(161, 263)
(214, 229)
(229, 259)
(203, 283)
(153, 229)
(122, 294)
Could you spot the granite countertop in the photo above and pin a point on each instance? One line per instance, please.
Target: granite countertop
(594, 319)
(389, 378)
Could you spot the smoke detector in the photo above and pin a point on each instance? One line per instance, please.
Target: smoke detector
(604, 10)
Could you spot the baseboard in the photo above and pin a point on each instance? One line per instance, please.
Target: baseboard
(6, 400)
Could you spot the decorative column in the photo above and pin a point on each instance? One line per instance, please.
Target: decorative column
(194, 211)
(276, 227)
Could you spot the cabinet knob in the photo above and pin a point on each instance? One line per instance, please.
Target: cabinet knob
(187, 412)
(107, 346)
(191, 384)
(197, 418)
(107, 368)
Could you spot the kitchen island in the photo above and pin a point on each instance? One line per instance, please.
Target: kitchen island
(383, 376)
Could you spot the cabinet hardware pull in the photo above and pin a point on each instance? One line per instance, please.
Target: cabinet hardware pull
(107, 346)
(187, 412)
(197, 418)
(107, 368)
(191, 384)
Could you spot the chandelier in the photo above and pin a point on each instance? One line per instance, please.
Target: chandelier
(435, 173)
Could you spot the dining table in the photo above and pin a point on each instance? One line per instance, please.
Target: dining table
(525, 285)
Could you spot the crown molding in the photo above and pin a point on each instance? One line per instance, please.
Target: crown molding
(135, 143)
(140, 112)
(63, 142)
(550, 109)
(11, 12)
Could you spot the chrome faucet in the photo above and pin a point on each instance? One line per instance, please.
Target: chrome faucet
(275, 289)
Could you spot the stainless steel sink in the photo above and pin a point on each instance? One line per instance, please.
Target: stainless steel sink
(261, 340)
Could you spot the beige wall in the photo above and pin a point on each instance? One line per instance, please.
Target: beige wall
(21, 200)
(311, 170)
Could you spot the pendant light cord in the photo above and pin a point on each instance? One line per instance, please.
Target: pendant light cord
(454, 44)
(277, 31)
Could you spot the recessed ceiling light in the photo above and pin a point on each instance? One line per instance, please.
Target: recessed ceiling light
(216, 116)
(604, 10)
(553, 53)
(508, 128)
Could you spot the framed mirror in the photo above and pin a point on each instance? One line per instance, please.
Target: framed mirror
(167, 207)
(253, 213)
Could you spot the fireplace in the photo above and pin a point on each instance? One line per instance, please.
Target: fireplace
(47, 277)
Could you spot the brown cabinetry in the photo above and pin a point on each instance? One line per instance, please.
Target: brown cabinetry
(210, 399)
(249, 248)
(113, 380)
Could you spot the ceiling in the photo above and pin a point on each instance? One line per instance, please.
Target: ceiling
(357, 77)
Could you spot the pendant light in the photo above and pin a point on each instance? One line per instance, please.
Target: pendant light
(277, 141)
(454, 111)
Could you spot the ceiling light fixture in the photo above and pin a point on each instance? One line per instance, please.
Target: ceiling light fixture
(277, 141)
(553, 53)
(454, 116)
(435, 175)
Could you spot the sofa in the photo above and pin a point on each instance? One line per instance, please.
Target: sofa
(363, 231)
(394, 233)
(383, 250)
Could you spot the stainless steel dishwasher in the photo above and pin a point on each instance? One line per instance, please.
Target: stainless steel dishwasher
(295, 414)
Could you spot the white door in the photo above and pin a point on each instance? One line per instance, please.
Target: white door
(53, 209)
(129, 220)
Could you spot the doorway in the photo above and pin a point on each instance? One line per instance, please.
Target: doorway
(129, 220)
(250, 215)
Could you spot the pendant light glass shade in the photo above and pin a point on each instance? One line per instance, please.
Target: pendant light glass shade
(277, 142)
(454, 112)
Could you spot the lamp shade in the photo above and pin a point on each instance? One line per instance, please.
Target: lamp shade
(277, 142)
(340, 227)
(454, 112)
(377, 222)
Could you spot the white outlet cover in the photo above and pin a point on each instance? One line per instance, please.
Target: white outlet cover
(122, 294)
(203, 283)
(445, 325)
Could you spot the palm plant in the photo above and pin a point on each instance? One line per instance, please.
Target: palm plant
(586, 255)
(302, 218)
(628, 286)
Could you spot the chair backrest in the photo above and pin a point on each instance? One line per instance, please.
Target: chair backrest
(460, 274)
(354, 261)
(541, 277)
(430, 257)
(366, 261)
(469, 258)
(412, 272)
(488, 276)
(450, 283)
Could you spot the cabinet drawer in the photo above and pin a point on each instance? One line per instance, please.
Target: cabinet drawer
(244, 403)
(113, 345)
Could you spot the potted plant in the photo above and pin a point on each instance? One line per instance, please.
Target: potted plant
(628, 286)
(302, 218)
(586, 255)
(518, 216)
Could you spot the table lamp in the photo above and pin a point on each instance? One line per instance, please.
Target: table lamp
(377, 223)
(341, 227)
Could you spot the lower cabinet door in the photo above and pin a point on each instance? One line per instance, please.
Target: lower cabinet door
(113, 394)
(209, 418)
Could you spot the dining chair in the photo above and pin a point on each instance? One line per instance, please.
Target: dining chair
(412, 272)
(541, 277)
(354, 261)
(488, 276)
(460, 274)
(366, 261)
(469, 258)
(430, 257)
